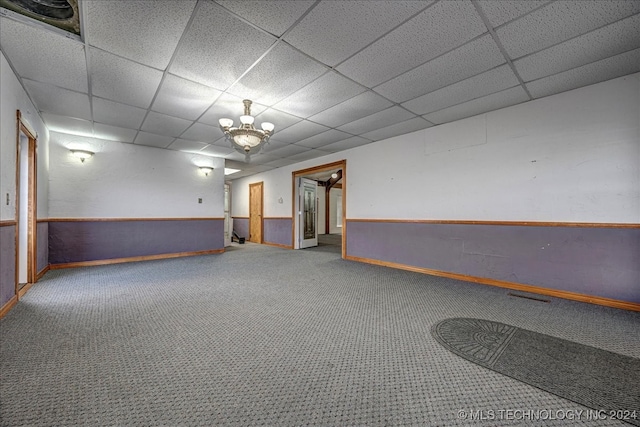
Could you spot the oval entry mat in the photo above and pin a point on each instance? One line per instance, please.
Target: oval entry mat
(595, 378)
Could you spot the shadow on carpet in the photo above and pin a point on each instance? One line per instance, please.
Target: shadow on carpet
(598, 379)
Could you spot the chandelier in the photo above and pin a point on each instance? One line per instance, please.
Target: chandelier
(245, 138)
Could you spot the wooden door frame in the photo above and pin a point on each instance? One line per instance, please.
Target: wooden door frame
(255, 184)
(340, 164)
(22, 126)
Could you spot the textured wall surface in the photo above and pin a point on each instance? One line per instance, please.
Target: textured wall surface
(77, 241)
(592, 261)
(7, 263)
(278, 231)
(42, 234)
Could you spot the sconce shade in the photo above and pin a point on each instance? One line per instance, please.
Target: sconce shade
(82, 154)
(206, 169)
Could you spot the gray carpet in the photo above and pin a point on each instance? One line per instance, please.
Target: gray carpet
(598, 379)
(267, 336)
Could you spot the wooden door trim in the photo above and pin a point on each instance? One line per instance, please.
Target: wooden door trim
(261, 185)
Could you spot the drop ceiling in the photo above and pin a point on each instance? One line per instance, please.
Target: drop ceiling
(331, 75)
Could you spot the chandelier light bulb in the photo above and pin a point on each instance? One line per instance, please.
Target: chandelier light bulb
(246, 138)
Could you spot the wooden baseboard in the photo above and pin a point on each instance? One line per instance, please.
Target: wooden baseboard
(133, 259)
(278, 245)
(43, 272)
(24, 289)
(8, 306)
(574, 296)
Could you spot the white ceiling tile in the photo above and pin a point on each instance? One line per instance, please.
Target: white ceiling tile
(378, 120)
(288, 150)
(281, 72)
(298, 132)
(607, 41)
(473, 58)
(162, 124)
(216, 151)
(278, 118)
(280, 163)
(335, 30)
(325, 92)
(323, 138)
(183, 98)
(116, 114)
(359, 106)
(218, 47)
(308, 155)
(68, 125)
(59, 101)
(560, 21)
(483, 84)
(272, 16)
(202, 133)
(121, 80)
(185, 145)
(347, 144)
(229, 106)
(589, 74)
(440, 28)
(143, 31)
(495, 101)
(66, 65)
(411, 125)
(152, 140)
(499, 12)
(113, 133)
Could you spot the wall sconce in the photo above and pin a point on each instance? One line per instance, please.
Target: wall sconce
(206, 169)
(82, 154)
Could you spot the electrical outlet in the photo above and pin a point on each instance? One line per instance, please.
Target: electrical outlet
(199, 199)
(7, 199)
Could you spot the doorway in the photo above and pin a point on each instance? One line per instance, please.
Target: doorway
(256, 195)
(329, 173)
(26, 250)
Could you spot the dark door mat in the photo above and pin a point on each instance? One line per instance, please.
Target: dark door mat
(595, 378)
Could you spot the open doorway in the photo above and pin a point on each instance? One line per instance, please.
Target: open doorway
(323, 212)
(26, 264)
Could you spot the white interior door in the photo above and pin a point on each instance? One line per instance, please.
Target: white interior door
(308, 213)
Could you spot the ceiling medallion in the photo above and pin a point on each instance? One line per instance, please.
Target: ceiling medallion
(245, 138)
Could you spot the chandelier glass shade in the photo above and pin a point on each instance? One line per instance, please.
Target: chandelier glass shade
(245, 138)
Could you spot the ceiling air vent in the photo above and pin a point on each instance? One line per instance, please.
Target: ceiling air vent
(59, 13)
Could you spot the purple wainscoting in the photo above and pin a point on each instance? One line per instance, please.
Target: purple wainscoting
(596, 261)
(77, 241)
(277, 231)
(7, 263)
(241, 226)
(42, 235)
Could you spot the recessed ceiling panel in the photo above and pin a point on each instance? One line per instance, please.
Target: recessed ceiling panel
(466, 61)
(606, 69)
(143, 31)
(68, 125)
(559, 21)
(401, 128)
(323, 138)
(218, 48)
(272, 16)
(59, 101)
(116, 114)
(335, 30)
(202, 133)
(230, 107)
(121, 80)
(278, 118)
(288, 151)
(353, 142)
(359, 106)
(440, 28)
(152, 140)
(483, 84)
(164, 125)
(378, 120)
(298, 132)
(499, 12)
(308, 155)
(495, 101)
(65, 61)
(183, 98)
(280, 73)
(325, 92)
(185, 145)
(114, 133)
(607, 41)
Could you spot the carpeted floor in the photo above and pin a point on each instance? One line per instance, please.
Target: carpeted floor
(267, 336)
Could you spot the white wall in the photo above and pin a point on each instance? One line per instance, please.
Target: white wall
(571, 157)
(130, 181)
(12, 98)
